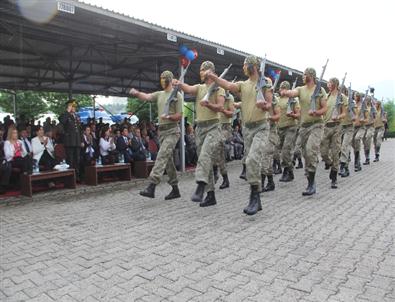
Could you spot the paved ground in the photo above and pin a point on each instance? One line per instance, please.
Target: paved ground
(335, 246)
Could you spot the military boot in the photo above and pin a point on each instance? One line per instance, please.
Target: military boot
(367, 157)
(149, 191)
(270, 184)
(198, 195)
(254, 204)
(310, 190)
(209, 200)
(225, 182)
(243, 173)
(175, 193)
(377, 154)
(333, 178)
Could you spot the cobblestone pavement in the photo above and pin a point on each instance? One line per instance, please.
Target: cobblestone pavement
(118, 246)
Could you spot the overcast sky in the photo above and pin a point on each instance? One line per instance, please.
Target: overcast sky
(356, 36)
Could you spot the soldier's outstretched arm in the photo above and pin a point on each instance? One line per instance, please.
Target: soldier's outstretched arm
(290, 93)
(185, 87)
(231, 86)
(140, 95)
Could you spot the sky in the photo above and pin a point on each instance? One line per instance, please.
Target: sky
(356, 36)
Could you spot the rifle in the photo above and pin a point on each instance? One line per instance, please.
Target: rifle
(227, 93)
(214, 86)
(351, 104)
(338, 104)
(174, 92)
(292, 101)
(317, 90)
(262, 82)
(363, 106)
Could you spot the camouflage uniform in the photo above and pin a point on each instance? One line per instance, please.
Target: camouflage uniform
(226, 131)
(347, 135)
(378, 131)
(369, 133)
(359, 132)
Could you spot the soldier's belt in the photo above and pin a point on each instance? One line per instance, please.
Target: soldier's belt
(207, 123)
(306, 125)
(347, 126)
(167, 126)
(254, 124)
(286, 127)
(378, 127)
(331, 124)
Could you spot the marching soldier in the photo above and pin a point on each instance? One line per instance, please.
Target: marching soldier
(169, 130)
(369, 129)
(270, 148)
(225, 120)
(311, 127)
(208, 134)
(381, 118)
(255, 124)
(331, 141)
(287, 131)
(359, 131)
(347, 134)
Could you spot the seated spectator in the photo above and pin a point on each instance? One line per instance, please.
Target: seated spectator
(107, 147)
(25, 133)
(43, 150)
(190, 147)
(139, 149)
(238, 143)
(88, 152)
(123, 143)
(15, 152)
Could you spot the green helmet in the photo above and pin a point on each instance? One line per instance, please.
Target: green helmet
(167, 75)
(311, 72)
(254, 60)
(285, 85)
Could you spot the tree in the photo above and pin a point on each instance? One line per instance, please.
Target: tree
(389, 107)
(142, 110)
(57, 101)
(29, 104)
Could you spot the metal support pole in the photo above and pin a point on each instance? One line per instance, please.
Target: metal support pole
(182, 145)
(150, 112)
(14, 101)
(94, 109)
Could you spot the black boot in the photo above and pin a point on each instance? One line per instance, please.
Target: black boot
(270, 184)
(377, 154)
(341, 171)
(327, 166)
(333, 177)
(277, 169)
(254, 204)
(357, 162)
(310, 190)
(209, 200)
(367, 157)
(291, 174)
(346, 172)
(215, 172)
(198, 195)
(225, 182)
(149, 191)
(263, 178)
(175, 193)
(284, 177)
(300, 163)
(243, 173)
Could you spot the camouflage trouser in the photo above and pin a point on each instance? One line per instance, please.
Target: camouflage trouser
(255, 140)
(347, 134)
(310, 140)
(208, 138)
(378, 137)
(286, 144)
(246, 150)
(297, 144)
(357, 138)
(367, 138)
(330, 146)
(164, 160)
(226, 131)
(268, 152)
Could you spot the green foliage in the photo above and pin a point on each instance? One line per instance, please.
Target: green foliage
(189, 112)
(56, 101)
(389, 107)
(142, 109)
(29, 105)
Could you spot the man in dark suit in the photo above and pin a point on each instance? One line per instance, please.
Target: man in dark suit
(72, 135)
(123, 145)
(138, 148)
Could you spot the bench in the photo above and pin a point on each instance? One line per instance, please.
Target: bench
(142, 169)
(92, 172)
(67, 176)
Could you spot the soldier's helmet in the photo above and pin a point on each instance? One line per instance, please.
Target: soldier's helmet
(253, 60)
(206, 65)
(311, 72)
(285, 85)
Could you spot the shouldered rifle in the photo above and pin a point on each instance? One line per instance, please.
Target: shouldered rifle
(292, 101)
(174, 92)
(338, 104)
(227, 93)
(214, 86)
(262, 82)
(351, 104)
(317, 90)
(363, 106)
